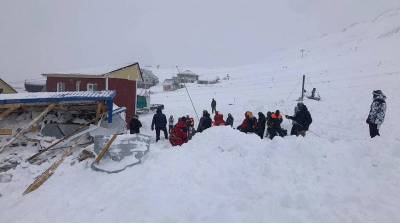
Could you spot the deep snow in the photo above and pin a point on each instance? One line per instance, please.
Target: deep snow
(335, 174)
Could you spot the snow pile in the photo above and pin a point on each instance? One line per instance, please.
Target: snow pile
(226, 176)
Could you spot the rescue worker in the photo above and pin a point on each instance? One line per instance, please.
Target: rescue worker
(249, 123)
(190, 126)
(160, 123)
(229, 120)
(261, 125)
(269, 124)
(205, 122)
(301, 120)
(218, 119)
(135, 125)
(276, 129)
(179, 133)
(377, 112)
(213, 106)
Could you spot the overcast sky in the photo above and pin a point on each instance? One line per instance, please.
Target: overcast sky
(39, 36)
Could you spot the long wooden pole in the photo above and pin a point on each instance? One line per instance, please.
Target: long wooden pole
(105, 149)
(50, 171)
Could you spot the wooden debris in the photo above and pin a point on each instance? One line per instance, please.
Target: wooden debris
(50, 171)
(85, 154)
(57, 142)
(5, 132)
(105, 149)
(9, 111)
(28, 127)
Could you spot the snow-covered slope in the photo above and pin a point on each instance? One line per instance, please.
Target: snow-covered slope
(335, 174)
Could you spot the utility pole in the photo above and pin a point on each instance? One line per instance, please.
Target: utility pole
(302, 88)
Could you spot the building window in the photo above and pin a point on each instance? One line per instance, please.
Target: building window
(91, 87)
(1, 90)
(60, 86)
(78, 86)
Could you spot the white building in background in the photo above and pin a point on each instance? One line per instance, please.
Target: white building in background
(149, 79)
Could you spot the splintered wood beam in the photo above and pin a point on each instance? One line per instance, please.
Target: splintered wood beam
(28, 127)
(105, 149)
(50, 171)
(9, 111)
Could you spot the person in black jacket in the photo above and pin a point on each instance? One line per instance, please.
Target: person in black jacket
(301, 120)
(275, 128)
(229, 120)
(205, 122)
(269, 124)
(160, 123)
(261, 125)
(135, 125)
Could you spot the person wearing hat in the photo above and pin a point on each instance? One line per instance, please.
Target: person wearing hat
(160, 124)
(229, 120)
(301, 120)
(377, 112)
(135, 125)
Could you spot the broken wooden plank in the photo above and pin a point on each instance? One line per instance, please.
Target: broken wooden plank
(50, 171)
(28, 127)
(69, 137)
(10, 110)
(54, 144)
(5, 132)
(105, 149)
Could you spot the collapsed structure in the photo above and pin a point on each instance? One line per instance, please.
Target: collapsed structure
(54, 125)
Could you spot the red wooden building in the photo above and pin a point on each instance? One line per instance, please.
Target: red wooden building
(123, 80)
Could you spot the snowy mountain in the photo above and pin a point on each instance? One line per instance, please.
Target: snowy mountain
(335, 174)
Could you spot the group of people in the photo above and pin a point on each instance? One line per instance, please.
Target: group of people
(269, 125)
(272, 123)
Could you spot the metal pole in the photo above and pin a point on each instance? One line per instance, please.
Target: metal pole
(302, 88)
(190, 98)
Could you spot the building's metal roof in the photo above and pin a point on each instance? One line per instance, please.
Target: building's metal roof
(60, 98)
(93, 72)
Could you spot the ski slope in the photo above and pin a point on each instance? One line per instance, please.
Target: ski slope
(335, 174)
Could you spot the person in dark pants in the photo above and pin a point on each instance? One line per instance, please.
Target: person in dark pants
(213, 106)
(301, 120)
(160, 123)
(261, 125)
(376, 115)
(135, 125)
(276, 129)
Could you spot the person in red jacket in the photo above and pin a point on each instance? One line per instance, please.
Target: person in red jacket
(179, 133)
(218, 119)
